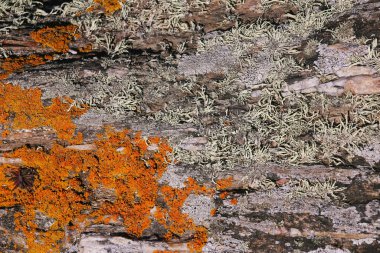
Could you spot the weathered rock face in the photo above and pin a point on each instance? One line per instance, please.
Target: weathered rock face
(270, 110)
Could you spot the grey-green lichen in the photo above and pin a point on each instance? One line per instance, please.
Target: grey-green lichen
(291, 129)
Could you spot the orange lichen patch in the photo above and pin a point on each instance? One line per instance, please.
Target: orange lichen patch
(136, 185)
(120, 163)
(199, 240)
(10, 65)
(86, 49)
(23, 109)
(108, 6)
(58, 191)
(153, 140)
(213, 212)
(58, 38)
(4, 75)
(223, 195)
(178, 222)
(5, 133)
(109, 219)
(234, 201)
(224, 183)
(67, 180)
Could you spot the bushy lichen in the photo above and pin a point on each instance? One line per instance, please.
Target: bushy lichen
(296, 129)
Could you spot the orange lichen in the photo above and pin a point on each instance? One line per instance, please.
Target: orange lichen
(85, 49)
(234, 201)
(68, 180)
(224, 183)
(223, 195)
(58, 38)
(10, 65)
(199, 240)
(179, 222)
(108, 6)
(153, 140)
(136, 185)
(23, 109)
(5, 133)
(213, 212)
(58, 191)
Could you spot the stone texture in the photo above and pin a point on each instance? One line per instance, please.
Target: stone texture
(270, 213)
(102, 244)
(355, 71)
(219, 60)
(334, 57)
(363, 85)
(356, 84)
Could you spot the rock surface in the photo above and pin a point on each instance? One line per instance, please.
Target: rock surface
(280, 99)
